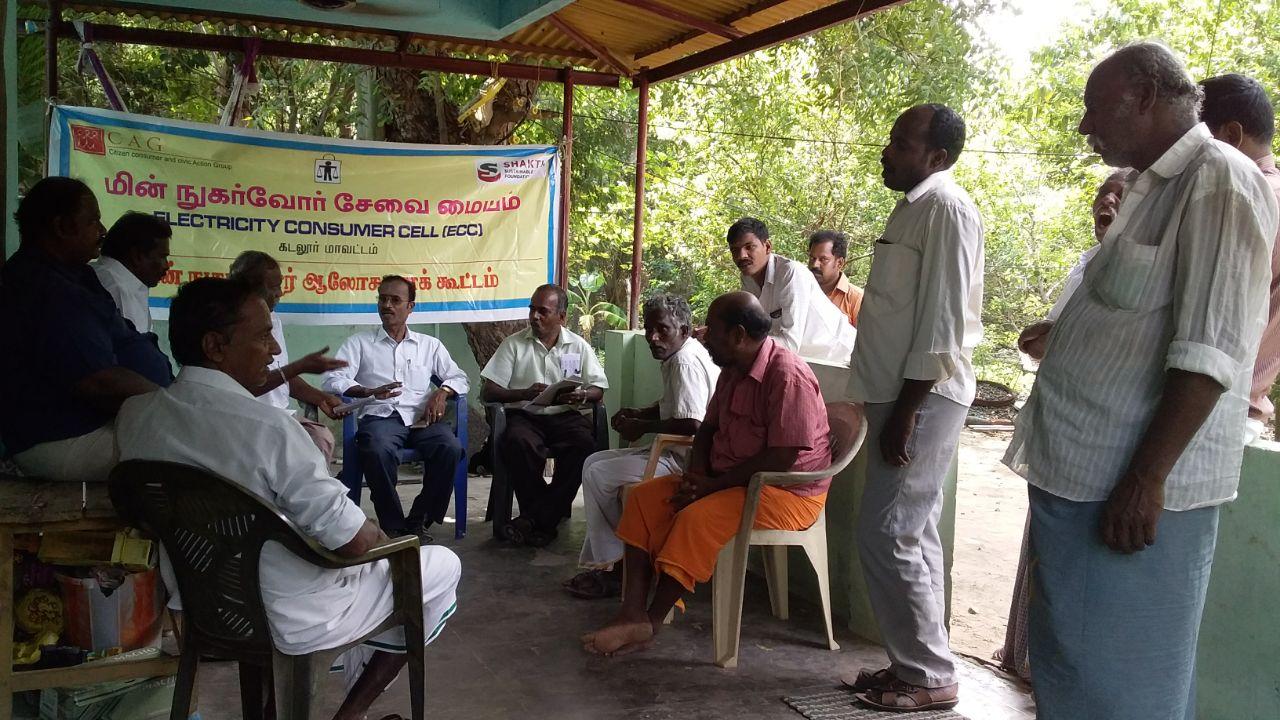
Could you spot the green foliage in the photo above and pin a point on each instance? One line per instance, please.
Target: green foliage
(791, 135)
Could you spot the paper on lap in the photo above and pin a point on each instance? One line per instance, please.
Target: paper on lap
(548, 396)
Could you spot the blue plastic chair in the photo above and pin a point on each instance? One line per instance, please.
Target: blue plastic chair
(352, 474)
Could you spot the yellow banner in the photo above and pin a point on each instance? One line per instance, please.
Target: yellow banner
(473, 227)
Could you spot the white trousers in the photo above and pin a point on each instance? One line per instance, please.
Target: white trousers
(604, 475)
(86, 458)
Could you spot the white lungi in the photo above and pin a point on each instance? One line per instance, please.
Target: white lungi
(85, 458)
(604, 475)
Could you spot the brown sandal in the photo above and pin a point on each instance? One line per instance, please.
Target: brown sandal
(868, 679)
(899, 696)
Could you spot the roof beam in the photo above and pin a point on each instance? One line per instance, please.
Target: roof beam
(752, 9)
(836, 14)
(601, 52)
(728, 32)
(338, 53)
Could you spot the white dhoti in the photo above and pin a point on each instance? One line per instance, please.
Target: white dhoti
(604, 475)
(441, 571)
(85, 458)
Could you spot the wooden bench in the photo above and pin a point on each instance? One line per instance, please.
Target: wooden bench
(31, 506)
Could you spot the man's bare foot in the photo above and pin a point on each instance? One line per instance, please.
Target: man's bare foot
(619, 638)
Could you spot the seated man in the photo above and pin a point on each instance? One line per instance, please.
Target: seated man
(394, 365)
(220, 331)
(766, 415)
(524, 365)
(828, 251)
(803, 320)
(688, 375)
(283, 377)
(135, 258)
(70, 358)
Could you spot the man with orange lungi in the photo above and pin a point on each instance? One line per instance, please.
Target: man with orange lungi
(767, 415)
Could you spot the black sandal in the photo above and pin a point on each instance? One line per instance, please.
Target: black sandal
(518, 530)
(593, 585)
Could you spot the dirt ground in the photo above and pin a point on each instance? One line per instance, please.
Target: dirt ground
(991, 508)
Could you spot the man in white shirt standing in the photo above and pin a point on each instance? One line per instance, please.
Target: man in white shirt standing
(1135, 419)
(526, 364)
(394, 365)
(688, 378)
(283, 377)
(921, 318)
(220, 332)
(135, 258)
(804, 320)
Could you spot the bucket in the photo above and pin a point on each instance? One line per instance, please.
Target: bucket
(128, 618)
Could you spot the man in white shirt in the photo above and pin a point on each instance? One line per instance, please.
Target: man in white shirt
(688, 377)
(283, 377)
(394, 365)
(525, 365)
(920, 321)
(804, 320)
(1106, 204)
(1135, 419)
(220, 331)
(135, 258)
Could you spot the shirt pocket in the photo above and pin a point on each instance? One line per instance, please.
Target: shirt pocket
(746, 435)
(895, 274)
(419, 378)
(1124, 279)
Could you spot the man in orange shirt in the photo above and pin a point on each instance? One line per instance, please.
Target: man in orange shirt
(827, 251)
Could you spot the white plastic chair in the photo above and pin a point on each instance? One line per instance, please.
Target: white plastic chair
(848, 430)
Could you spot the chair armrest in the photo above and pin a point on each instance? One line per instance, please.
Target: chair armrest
(783, 479)
(329, 559)
(661, 441)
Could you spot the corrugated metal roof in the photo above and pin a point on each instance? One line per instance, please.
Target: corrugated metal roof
(637, 38)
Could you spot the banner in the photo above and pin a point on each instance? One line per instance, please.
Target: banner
(473, 227)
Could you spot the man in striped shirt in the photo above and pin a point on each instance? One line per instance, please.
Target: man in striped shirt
(1135, 420)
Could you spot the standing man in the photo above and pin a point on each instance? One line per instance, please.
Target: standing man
(688, 376)
(70, 357)
(827, 256)
(804, 321)
(1130, 439)
(394, 365)
(913, 370)
(1238, 112)
(525, 364)
(284, 380)
(134, 259)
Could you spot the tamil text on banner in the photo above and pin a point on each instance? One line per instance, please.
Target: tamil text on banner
(473, 227)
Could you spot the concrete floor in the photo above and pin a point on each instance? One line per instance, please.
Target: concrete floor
(512, 651)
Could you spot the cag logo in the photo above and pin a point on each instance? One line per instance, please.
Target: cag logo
(90, 140)
(488, 172)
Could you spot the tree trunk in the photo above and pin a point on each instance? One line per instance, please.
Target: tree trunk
(420, 115)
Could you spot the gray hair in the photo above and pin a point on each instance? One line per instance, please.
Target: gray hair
(675, 306)
(1152, 62)
(250, 265)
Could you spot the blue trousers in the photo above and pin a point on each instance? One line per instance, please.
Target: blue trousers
(379, 441)
(1112, 636)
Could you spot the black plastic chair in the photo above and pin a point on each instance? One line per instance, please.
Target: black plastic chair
(501, 494)
(213, 531)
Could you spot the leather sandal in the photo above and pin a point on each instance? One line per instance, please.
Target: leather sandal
(899, 696)
(867, 679)
(593, 585)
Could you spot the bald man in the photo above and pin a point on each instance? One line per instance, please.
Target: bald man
(766, 415)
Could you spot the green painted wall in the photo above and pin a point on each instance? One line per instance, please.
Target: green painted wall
(1239, 655)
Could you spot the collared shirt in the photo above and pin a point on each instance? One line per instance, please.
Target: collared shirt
(776, 403)
(60, 327)
(211, 422)
(1179, 282)
(922, 314)
(847, 297)
(688, 377)
(1074, 277)
(1267, 366)
(522, 361)
(278, 396)
(128, 292)
(374, 358)
(804, 321)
